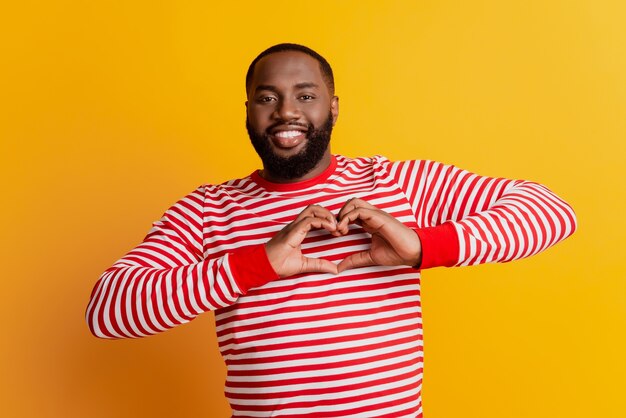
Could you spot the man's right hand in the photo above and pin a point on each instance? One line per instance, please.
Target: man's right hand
(284, 252)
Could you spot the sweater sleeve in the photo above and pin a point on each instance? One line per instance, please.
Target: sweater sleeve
(467, 219)
(166, 280)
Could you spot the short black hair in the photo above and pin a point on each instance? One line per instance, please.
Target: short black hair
(327, 72)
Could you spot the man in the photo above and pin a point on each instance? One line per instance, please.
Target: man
(312, 265)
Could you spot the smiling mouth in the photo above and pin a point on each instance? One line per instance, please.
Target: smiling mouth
(288, 139)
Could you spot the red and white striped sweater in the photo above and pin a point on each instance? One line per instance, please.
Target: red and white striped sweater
(319, 345)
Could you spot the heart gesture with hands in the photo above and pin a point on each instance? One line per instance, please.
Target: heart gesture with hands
(393, 243)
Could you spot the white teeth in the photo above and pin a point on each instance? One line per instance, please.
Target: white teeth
(287, 134)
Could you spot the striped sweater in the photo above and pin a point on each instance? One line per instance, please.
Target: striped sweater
(319, 345)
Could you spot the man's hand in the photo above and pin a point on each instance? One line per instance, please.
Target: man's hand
(283, 250)
(393, 243)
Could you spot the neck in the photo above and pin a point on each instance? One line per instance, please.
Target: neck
(316, 171)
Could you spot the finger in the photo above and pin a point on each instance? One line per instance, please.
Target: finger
(318, 265)
(362, 259)
(369, 219)
(352, 204)
(316, 211)
(300, 229)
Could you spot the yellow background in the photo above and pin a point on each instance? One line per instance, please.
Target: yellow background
(113, 110)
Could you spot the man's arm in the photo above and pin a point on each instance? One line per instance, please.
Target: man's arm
(166, 281)
(467, 219)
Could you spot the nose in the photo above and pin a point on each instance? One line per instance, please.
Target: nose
(287, 109)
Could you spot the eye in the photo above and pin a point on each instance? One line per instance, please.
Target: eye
(266, 99)
(306, 97)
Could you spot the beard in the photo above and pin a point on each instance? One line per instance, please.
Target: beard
(296, 166)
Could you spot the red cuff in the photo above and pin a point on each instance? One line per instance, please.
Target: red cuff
(440, 245)
(251, 268)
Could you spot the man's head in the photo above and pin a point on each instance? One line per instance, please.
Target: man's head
(291, 109)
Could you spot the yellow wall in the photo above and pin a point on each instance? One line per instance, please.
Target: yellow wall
(110, 111)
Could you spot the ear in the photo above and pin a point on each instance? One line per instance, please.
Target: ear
(334, 108)
(246, 104)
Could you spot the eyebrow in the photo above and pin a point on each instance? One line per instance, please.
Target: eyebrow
(304, 85)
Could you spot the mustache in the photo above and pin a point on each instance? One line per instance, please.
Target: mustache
(277, 124)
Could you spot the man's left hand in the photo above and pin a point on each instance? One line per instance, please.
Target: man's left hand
(393, 243)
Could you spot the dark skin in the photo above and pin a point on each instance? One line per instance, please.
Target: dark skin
(288, 91)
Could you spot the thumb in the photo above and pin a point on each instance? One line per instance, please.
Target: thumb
(318, 265)
(362, 259)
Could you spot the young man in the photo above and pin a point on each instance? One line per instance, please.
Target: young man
(312, 265)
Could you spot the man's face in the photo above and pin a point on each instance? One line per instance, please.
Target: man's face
(290, 113)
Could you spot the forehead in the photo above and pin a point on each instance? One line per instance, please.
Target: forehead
(286, 68)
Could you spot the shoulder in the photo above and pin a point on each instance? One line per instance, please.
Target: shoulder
(381, 160)
(212, 191)
(382, 163)
(361, 162)
(208, 192)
